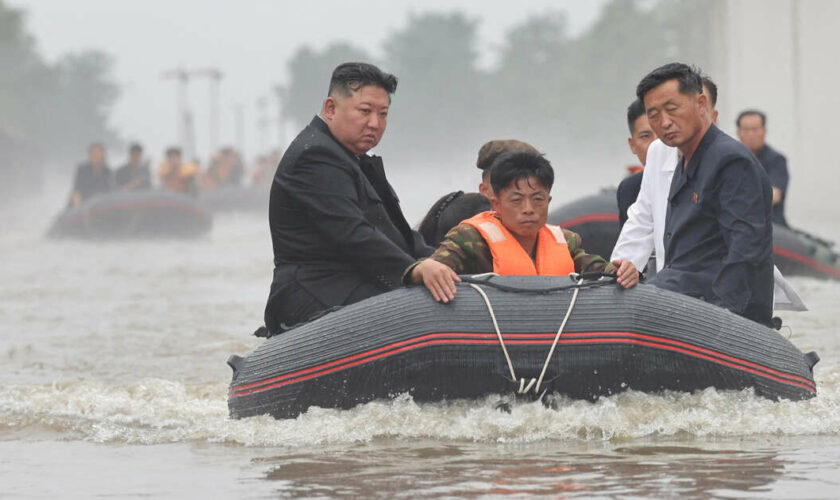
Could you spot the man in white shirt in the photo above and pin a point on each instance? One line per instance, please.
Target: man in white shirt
(644, 231)
(641, 135)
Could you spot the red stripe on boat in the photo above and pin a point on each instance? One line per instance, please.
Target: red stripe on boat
(583, 219)
(521, 339)
(798, 257)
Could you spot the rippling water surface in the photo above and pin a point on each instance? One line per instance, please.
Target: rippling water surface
(114, 383)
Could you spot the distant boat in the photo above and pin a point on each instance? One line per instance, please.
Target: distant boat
(595, 218)
(134, 214)
(644, 339)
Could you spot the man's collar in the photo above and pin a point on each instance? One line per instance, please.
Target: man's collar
(319, 123)
(707, 139)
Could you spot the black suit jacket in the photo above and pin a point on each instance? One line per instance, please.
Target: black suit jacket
(775, 164)
(718, 229)
(336, 222)
(628, 191)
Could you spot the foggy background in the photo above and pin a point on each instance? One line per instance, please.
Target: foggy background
(114, 350)
(556, 74)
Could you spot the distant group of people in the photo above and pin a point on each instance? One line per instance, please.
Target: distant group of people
(225, 168)
(94, 176)
(705, 203)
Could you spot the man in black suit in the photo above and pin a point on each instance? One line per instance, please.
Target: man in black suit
(338, 232)
(93, 177)
(718, 227)
(752, 129)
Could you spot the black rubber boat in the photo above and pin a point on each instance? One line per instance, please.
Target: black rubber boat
(236, 199)
(644, 339)
(135, 214)
(595, 218)
(801, 254)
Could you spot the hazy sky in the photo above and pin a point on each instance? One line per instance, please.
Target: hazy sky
(249, 40)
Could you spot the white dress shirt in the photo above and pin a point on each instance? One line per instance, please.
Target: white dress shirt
(644, 231)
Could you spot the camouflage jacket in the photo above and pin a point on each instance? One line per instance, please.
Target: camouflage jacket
(465, 251)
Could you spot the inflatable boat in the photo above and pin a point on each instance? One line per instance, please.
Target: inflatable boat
(134, 214)
(595, 218)
(236, 199)
(513, 334)
(797, 253)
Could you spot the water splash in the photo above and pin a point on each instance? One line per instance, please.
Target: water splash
(154, 411)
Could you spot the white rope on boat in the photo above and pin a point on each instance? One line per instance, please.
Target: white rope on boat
(533, 383)
(496, 326)
(557, 337)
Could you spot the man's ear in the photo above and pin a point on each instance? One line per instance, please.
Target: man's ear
(329, 108)
(630, 143)
(703, 103)
(494, 202)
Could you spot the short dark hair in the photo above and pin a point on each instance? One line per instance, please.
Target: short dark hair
(173, 150)
(135, 148)
(519, 165)
(689, 78)
(750, 112)
(351, 76)
(492, 149)
(634, 111)
(709, 84)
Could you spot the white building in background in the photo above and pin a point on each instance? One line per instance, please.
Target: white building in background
(783, 57)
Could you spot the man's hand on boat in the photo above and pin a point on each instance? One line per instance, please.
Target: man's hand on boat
(626, 273)
(439, 278)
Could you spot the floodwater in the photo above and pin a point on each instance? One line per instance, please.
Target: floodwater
(114, 383)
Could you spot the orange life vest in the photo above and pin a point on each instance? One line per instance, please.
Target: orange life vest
(178, 179)
(509, 258)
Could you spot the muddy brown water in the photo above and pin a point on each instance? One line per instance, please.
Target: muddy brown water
(114, 383)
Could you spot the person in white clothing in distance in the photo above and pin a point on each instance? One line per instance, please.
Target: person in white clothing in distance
(644, 232)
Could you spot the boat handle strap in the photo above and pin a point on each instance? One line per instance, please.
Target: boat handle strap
(526, 386)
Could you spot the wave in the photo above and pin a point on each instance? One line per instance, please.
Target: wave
(156, 411)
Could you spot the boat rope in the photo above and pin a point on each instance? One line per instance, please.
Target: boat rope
(496, 326)
(557, 337)
(534, 383)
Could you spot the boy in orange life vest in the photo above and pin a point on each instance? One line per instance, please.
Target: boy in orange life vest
(514, 238)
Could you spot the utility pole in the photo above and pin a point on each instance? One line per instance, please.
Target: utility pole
(263, 122)
(239, 123)
(215, 75)
(281, 93)
(184, 120)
